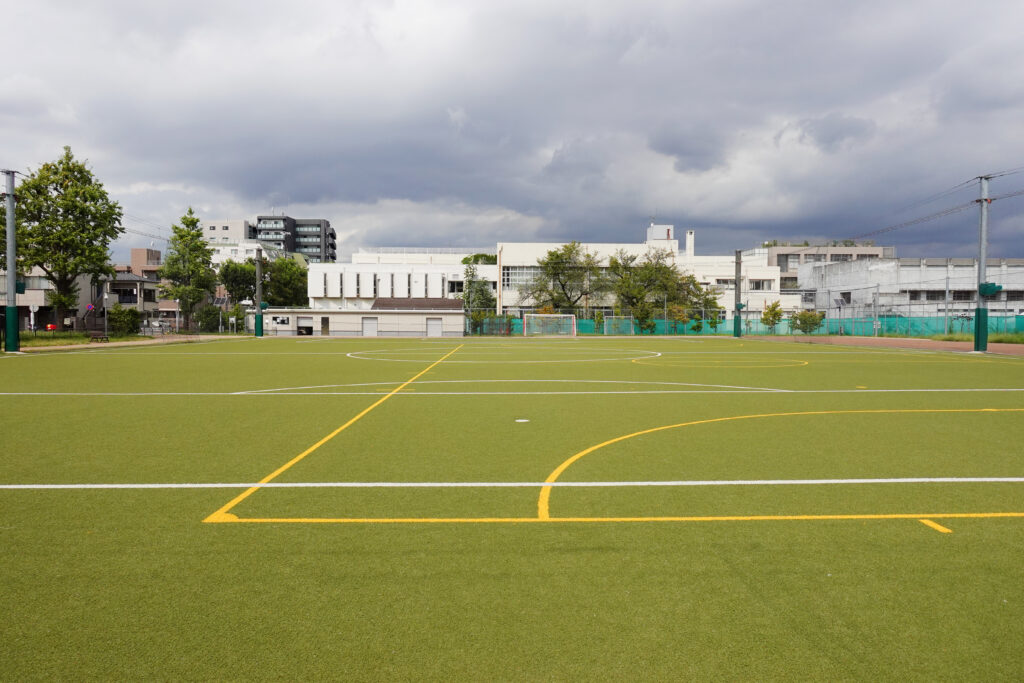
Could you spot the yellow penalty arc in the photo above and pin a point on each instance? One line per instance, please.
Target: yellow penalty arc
(544, 500)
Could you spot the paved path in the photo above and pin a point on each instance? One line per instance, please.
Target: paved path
(904, 343)
(162, 339)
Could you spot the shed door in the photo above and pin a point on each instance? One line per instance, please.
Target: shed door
(369, 327)
(434, 328)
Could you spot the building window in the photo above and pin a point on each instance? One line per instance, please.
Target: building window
(836, 258)
(455, 287)
(224, 228)
(723, 282)
(814, 258)
(213, 227)
(936, 295)
(914, 294)
(513, 277)
(963, 295)
(760, 285)
(1015, 295)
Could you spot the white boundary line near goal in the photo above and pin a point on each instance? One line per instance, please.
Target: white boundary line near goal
(524, 484)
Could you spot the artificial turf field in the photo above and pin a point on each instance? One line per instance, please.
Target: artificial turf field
(755, 510)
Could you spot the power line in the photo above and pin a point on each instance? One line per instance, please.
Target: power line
(923, 219)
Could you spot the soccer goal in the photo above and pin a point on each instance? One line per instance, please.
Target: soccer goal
(618, 324)
(536, 324)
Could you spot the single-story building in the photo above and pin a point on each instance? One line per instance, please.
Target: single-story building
(387, 317)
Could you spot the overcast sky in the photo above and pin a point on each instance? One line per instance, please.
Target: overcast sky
(466, 123)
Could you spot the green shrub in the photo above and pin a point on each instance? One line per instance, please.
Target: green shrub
(122, 321)
(208, 319)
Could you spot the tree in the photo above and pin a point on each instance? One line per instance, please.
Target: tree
(208, 318)
(772, 315)
(639, 283)
(287, 283)
(642, 283)
(187, 270)
(679, 315)
(482, 259)
(124, 321)
(568, 275)
(476, 293)
(807, 321)
(239, 280)
(65, 224)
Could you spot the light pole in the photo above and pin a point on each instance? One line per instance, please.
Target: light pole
(106, 309)
(177, 315)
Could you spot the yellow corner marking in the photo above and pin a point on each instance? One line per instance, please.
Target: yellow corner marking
(218, 515)
(937, 527)
(543, 501)
(579, 520)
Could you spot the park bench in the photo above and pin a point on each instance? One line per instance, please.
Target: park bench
(98, 337)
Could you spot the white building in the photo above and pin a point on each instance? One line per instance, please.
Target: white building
(388, 273)
(430, 273)
(913, 286)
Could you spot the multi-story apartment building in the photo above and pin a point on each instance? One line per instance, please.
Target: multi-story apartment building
(314, 238)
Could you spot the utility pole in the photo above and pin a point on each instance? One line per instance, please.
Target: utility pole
(11, 341)
(981, 312)
(258, 318)
(737, 306)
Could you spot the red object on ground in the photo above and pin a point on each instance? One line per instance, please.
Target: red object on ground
(50, 327)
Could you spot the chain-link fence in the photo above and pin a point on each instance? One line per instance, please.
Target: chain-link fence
(910, 321)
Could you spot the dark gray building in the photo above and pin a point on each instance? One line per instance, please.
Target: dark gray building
(314, 238)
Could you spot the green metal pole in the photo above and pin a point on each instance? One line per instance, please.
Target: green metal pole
(11, 341)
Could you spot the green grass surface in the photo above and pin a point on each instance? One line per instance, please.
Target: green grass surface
(133, 584)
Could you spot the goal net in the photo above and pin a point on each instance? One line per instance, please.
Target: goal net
(537, 324)
(618, 324)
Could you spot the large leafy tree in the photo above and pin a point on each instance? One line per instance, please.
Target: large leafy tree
(189, 276)
(65, 224)
(286, 283)
(239, 279)
(641, 283)
(568, 276)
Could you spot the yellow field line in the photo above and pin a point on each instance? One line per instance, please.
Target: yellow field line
(222, 515)
(937, 527)
(924, 518)
(543, 501)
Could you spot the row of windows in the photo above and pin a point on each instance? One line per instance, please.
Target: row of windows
(514, 277)
(958, 295)
(791, 261)
(214, 227)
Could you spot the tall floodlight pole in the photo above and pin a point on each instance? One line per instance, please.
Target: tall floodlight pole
(736, 331)
(11, 342)
(981, 312)
(258, 318)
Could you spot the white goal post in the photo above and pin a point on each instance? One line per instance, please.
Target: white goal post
(618, 324)
(538, 324)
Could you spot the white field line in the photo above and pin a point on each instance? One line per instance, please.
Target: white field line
(413, 394)
(524, 484)
(512, 381)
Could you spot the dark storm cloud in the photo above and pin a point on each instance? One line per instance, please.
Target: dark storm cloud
(744, 120)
